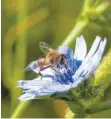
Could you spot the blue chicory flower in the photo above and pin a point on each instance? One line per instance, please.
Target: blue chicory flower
(59, 80)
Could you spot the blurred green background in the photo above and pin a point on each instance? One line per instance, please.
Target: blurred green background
(24, 24)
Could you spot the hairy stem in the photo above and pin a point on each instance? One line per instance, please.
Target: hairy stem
(78, 28)
(81, 23)
(99, 107)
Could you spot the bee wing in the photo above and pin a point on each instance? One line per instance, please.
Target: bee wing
(44, 47)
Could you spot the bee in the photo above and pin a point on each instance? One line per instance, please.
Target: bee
(52, 57)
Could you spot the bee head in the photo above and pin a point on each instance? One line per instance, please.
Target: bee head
(65, 51)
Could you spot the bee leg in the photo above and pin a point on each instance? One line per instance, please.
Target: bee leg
(40, 75)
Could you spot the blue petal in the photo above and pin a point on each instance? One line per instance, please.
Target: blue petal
(47, 71)
(92, 65)
(64, 75)
(70, 63)
(93, 48)
(41, 88)
(89, 56)
(32, 66)
(76, 65)
(89, 65)
(80, 49)
(36, 83)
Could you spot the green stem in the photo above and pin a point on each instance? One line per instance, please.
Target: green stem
(101, 8)
(20, 109)
(20, 54)
(75, 107)
(86, 4)
(78, 28)
(80, 24)
(99, 107)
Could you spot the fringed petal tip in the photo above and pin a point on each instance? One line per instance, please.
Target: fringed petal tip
(99, 38)
(20, 83)
(105, 41)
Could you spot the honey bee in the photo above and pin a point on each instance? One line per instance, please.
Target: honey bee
(52, 57)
